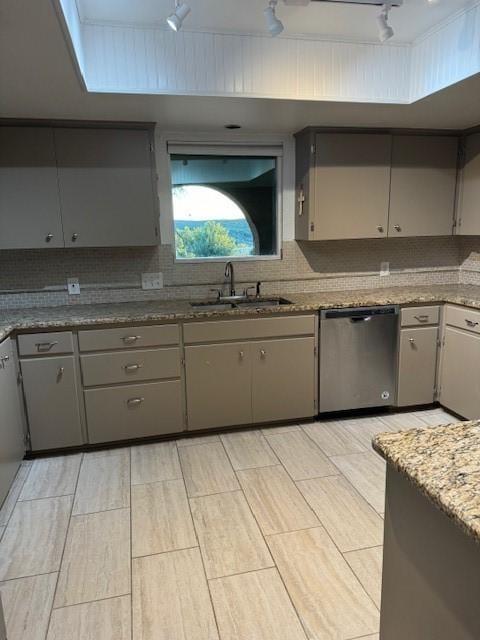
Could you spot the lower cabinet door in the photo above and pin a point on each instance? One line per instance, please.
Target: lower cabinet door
(283, 382)
(460, 383)
(134, 411)
(218, 385)
(51, 396)
(417, 366)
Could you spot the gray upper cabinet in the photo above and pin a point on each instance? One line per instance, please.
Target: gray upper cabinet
(469, 197)
(422, 195)
(29, 202)
(343, 186)
(106, 187)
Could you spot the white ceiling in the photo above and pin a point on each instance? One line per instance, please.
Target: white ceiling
(38, 80)
(323, 19)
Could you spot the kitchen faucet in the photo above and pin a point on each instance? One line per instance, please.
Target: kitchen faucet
(229, 273)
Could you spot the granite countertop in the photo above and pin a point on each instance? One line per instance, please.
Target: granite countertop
(444, 464)
(40, 318)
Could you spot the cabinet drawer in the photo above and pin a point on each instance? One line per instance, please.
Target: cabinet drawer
(133, 411)
(463, 318)
(250, 328)
(417, 316)
(128, 337)
(32, 344)
(130, 366)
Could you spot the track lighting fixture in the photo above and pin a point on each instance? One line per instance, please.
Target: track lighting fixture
(175, 21)
(274, 25)
(385, 31)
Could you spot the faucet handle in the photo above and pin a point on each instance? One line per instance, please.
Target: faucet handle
(219, 292)
(258, 285)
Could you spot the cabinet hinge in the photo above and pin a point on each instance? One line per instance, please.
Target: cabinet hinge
(150, 145)
(182, 362)
(19, 377)
(156, 231)
(313, 149)
(312, 226)
(439, 343)
(315, 351)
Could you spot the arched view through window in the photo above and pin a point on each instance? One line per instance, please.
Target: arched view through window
(224, 206)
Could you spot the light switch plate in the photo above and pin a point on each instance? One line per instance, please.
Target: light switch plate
(152, 280)
(384, 269)
(73, 285)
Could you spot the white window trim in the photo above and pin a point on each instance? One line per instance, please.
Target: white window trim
(207, 145)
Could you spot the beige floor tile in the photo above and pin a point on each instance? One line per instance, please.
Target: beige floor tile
(186, 613)
(333, 438)
(367, 566)
(96, 562)
(191, 440)
(255, 606)
(364, 429)
(26, 604)
(326, 594)
(229, 537)
(248, 449)
(435, 417)
(207, 469)
(161, 519)
(277, 429)
(351, 522)
(401, 421)
(15, 490)
(102, 620)
(34, 539)
(366, 471)
(300, 456)
(51, 477)
(103, 483)
(155, 462)
(276, 502)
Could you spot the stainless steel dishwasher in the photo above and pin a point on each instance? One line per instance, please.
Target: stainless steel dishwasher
(358, 357)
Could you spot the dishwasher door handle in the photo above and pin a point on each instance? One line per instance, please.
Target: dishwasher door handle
(361, 319)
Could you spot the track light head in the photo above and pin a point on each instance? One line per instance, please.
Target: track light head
(385, 31)
(175, 21)
(274, 25)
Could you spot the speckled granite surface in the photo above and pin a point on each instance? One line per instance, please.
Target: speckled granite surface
(40, 318)
(444, 464)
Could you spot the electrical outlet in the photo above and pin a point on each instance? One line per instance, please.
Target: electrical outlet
(384, 268)
(73, 285)
(152, 280)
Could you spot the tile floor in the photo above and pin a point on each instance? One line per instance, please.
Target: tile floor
(273, 534)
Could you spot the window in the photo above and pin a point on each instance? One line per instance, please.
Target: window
(224, 205)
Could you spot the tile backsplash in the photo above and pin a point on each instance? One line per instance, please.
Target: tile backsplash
(38, 277)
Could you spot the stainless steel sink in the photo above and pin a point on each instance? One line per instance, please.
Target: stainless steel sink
(239, 302)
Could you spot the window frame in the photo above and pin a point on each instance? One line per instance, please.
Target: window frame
(275, 150)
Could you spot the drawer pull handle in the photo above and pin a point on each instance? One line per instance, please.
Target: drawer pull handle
(263, 353)
(241, 355)
(423, 318)
(471, 323)
(60, 372)
(133, 402)
(128, 339)
(412, 341)
(132, 367)
(45, 346)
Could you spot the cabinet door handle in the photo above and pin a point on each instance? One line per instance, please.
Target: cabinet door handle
(45, 346)
(423, 318)
(471, 323)
(380, 228)
(132, 367)
(263, 353)
(397, 227)
(241, 355)
(3, 360)
(48, 237)
(74, 237)
(412, 340)
(60, 372)
(129, 339)
(133, 402)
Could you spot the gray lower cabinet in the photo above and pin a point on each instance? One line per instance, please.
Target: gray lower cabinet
(134, 411)
(29, 201)
(12, 446)
(460, 383)
(51, 390)
(283, 379)
(417, 365)
(218, 378)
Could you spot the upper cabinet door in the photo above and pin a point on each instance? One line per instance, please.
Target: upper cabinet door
(352, 183)
(29, 202)
(106, 187)
(469, 200)
(422, 196)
